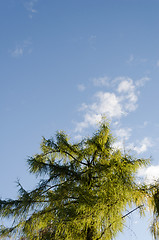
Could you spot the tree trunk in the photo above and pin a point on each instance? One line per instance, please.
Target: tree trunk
(89, 233)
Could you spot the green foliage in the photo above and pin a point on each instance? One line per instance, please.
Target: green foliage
(86, 189)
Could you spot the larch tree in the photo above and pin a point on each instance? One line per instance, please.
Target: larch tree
(85, 191)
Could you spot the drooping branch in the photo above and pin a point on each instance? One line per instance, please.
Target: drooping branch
(124, 216)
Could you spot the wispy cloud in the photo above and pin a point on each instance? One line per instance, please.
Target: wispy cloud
(119, 101)
(123, 133)
(136, 60)
(157, 64)
(17, 52)
(30, 7)
(141, 82)
(131, 58)
(143, 125)
(21, 49)
(141, 146)
(92, 41)
(81, 87)
(101, 81)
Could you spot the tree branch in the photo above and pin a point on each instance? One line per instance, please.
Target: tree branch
(124, 216)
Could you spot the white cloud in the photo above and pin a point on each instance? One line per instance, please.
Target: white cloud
(143, 60)
(81, 125)
(78, 137)
(123, 133)
(136, 60)
(92, 41)
(90, 119)
(93, 119)
(30, 7)
(128, 93)
(121, 100)
(142, 145)
(17, 52)
(126, 85)
(81, 87)
(149, 174)
(107, 103)
(118, 145)
(131, 58)
(21, 49)
(101, 81)
(141, 82)
(83, 107)
(143, 125)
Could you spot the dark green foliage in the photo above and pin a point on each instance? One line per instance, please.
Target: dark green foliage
(86, 189)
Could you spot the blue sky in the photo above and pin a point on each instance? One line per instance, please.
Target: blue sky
(64, 64)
